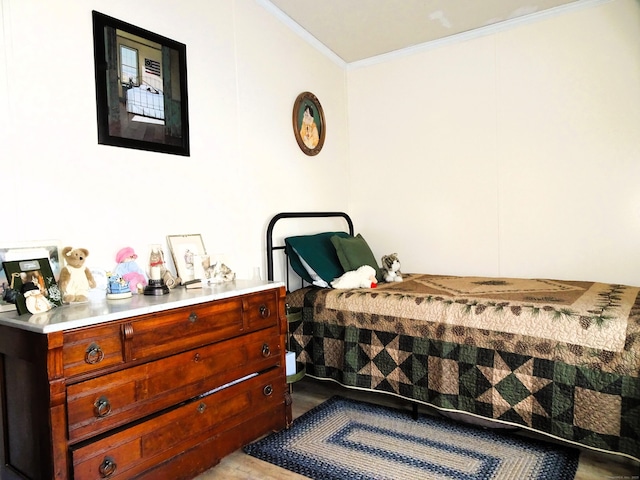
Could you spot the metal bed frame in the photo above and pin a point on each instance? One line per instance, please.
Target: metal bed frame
(271, 248)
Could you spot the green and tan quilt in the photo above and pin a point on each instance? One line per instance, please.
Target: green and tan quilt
(558, 357)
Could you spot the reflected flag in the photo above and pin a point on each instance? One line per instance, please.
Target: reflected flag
(151, 66)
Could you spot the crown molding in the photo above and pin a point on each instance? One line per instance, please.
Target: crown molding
(302, 33)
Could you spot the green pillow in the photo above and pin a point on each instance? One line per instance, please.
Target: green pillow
(318, 252)
(353, 252)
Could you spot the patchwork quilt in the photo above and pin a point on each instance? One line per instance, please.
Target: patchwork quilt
(558, 357)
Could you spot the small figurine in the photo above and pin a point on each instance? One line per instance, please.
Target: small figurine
(219, 273)
(129, 270)
(117, 287)
(159, 270)
(157, 285)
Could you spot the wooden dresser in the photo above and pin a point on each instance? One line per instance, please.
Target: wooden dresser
(146, 388)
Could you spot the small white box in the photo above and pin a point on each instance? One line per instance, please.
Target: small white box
(291, 363)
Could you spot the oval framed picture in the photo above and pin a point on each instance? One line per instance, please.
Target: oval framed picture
(309, 126)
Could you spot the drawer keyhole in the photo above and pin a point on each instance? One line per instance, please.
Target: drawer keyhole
(202, 407)
(264, 311)
(102, 407)
(266, 351)
(93, 354)
(267, 390)
(193, 317)
(108, 467)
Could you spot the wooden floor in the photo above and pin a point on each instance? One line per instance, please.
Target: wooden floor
(308, 393)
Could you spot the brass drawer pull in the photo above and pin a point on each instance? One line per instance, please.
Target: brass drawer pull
(266, 351)
(267, 390)
(102, 407)
(202, 407)
(93, 354)
(108, 467)
(193, 317)
(264, 311)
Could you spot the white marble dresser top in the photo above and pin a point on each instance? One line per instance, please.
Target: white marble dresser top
(85, 314)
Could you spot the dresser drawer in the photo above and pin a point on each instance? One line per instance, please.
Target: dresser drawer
(184, 328)
(260, 309)
(155, 335)
(131, 452)
(93, 348)
(100, 404)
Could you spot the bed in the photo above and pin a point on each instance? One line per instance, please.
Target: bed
(557, 357)
(145, 100)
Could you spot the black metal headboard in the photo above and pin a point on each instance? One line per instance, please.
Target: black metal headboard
(271, 248)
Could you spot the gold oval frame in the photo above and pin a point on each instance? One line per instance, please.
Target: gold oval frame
(307, 143)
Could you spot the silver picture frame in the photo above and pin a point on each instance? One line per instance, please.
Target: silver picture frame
(184, 250)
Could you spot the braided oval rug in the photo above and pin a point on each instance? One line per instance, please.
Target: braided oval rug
(347, 439)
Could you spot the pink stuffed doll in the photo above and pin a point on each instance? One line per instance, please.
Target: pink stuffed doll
(129, 270)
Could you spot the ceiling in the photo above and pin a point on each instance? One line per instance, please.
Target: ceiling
(355, 30)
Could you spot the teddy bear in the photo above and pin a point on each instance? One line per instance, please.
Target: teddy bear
(129, 270)
(391, 268)
(363, 277)
(75, 279)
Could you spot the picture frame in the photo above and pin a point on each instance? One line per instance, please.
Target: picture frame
(141, 88)
(37, 271)
(184, 250)
(309, 126)
(25, 251)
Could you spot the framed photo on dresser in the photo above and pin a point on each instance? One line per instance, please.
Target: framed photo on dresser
(33, 281)
(185, 251)
(24, 251)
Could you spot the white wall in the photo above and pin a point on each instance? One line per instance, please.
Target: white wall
(515, 154)
(245, 69)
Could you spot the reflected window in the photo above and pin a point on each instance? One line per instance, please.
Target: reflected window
(128, 65)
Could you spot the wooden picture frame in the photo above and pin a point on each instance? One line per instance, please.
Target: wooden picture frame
(39, 272)
(141, 88)
(183, 250)
(309, 125)
(25, 251)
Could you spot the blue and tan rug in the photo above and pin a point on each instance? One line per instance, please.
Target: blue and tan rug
(347, 439)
